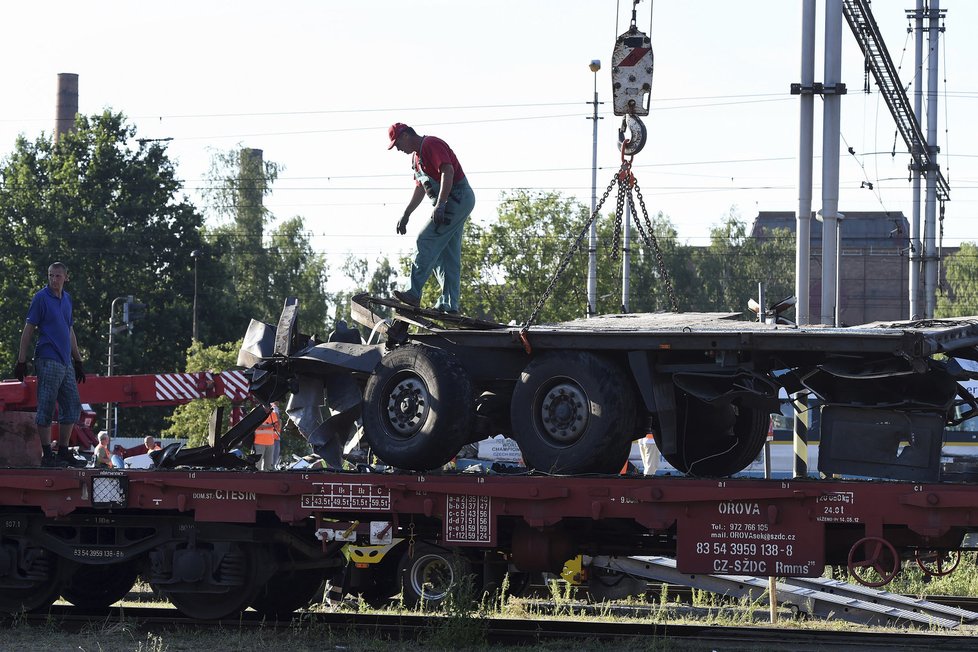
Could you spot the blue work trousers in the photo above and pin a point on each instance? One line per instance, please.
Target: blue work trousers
(440, 248)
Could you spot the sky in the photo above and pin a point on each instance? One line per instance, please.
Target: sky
(315, 84)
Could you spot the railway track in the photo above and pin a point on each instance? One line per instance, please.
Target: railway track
(569, 624)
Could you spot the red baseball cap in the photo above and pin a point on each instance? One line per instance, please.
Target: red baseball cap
(394, 131)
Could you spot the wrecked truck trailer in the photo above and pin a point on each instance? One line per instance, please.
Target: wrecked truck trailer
(575, 394)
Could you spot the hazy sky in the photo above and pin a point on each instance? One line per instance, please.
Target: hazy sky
(505, 82)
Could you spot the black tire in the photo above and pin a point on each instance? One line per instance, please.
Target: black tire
(717, 440)
(417, 408)
(431, 575)
(573, 412)
(96, 587)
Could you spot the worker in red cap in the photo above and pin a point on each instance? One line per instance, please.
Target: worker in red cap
(439, 177)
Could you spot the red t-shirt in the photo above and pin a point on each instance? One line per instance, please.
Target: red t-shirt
(435, 152)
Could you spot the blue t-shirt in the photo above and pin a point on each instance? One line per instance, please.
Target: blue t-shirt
(52, 317)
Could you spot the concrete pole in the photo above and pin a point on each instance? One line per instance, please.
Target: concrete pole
(67, 106)
(592, 250)
(918, 94)
(805, 158)
(831, 125)
(930, 201)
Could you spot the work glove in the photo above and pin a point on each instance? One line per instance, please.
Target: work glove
(79, 371)
(402, 225)
(438, 215)
(20, 370)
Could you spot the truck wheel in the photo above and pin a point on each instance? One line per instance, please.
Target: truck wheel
(431, 574)
(717, 440)
(417, 408)
(573, 412)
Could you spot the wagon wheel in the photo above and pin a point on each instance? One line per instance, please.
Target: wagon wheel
(39, 582)
(431, 574)
(92, 586)
(417, 408)
(573, 412)
(873, 553)
(937, 563)
(227, 590)
(287, 591)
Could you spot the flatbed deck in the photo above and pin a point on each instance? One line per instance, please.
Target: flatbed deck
(757, 527)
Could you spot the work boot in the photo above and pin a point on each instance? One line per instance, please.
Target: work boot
(51, 461)
(408, 298)
(65, 455)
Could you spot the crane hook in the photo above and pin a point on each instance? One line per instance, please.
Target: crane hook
(637, 135)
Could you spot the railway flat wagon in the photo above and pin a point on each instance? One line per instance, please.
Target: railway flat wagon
(217, 542)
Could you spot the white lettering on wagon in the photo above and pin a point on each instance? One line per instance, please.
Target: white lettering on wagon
(225, 494)
(731, 507)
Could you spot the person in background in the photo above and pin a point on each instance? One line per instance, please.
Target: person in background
(57, 363)
(266, 436)
(439, 176)
(150, 443)
(102, 459)
(118, 455)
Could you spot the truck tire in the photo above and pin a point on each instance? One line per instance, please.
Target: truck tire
(717, 440)
(417, 408)
(573, 412)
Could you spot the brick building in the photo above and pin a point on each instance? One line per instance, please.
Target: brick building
(874, 263)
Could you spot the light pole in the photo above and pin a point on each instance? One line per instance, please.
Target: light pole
(195, 254)
(109, 421)
(592, 251)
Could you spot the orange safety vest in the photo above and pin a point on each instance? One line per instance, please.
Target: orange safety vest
(267, 433)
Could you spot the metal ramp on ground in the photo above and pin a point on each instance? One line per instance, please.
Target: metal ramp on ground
(820, 597)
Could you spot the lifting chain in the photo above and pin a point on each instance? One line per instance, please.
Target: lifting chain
(567, 256)
(410, 550)
(653, 243)
(625, 181)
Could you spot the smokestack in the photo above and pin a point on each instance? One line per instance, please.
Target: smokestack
(64, 120)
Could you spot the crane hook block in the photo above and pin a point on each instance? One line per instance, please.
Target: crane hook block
(631, 73)
(637, 135)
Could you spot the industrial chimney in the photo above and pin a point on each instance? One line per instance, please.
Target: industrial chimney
(64, 120)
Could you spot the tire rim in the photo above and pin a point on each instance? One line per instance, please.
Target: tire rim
(564, 412)
(407, 405)
(432, 577)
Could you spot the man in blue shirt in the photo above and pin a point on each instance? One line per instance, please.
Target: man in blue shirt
(57, 363)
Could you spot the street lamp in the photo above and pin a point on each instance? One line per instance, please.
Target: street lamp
(195, 254)
(592, 257)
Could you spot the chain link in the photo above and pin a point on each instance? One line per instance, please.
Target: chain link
(411, 539)
(626, 183)
(653, 244)
(624, 173)
(570, 254)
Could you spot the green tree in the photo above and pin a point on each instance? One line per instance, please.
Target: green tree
(961, 298)
(251, 272)
(110, 207)
(381, 283)
(507, 265)
(729, 269)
